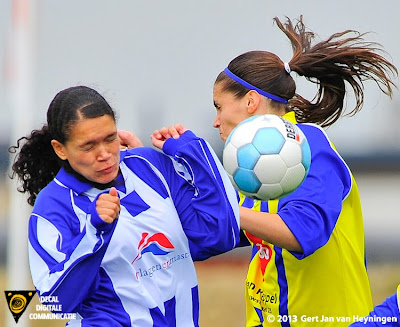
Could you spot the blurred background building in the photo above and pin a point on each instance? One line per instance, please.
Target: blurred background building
(156, 62)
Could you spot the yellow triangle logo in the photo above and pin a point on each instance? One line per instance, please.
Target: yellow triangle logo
(18, 302)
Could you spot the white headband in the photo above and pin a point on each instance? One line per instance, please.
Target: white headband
(287, 67)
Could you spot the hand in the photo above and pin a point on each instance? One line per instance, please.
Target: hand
(159, 137)
(128, 140)
(108, 206)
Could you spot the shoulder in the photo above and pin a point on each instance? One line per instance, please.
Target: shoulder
(58, 203)
(151, 166)
(54, 192)
(325, 159)
(143, 157)
(315, 135)
(143, 153)
(319, 142)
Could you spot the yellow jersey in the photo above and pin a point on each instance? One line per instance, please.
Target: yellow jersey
(326, 284)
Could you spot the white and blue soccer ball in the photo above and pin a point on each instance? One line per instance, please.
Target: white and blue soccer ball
(266, 157)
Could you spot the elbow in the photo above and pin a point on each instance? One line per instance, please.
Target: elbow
(295, 246)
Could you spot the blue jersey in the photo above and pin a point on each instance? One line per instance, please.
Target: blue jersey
(137, 271)
(386, 314)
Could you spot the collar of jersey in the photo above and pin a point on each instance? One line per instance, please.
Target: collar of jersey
(290, 116)
(75, 184)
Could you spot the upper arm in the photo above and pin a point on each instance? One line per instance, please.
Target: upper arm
(312, 211)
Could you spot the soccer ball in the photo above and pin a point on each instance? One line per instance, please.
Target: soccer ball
(266, 157)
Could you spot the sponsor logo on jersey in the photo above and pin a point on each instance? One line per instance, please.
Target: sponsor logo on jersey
(157, 244)
(264, 251)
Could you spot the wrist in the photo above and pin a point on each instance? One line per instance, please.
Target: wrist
(172, 145)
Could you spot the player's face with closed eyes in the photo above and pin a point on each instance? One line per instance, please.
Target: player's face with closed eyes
(92, 149)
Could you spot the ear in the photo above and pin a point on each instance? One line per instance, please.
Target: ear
(253, 101)
(59, 149)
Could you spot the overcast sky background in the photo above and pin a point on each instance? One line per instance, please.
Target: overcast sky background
(156, 61)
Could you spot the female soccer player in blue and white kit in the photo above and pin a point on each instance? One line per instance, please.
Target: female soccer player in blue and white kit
(113, 233)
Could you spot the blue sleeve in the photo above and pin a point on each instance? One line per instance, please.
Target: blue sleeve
(67, 242)
(244, 241)
(204, 197)
(386, 314)
(311, 212)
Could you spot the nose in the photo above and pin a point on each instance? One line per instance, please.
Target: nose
(216, 122)
(103, 154)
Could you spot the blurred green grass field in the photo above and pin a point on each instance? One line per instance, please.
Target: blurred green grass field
(222, 293)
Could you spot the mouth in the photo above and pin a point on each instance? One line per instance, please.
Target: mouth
(107, 170)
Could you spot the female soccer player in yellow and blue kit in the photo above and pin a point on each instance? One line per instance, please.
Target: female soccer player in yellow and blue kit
(308, 261)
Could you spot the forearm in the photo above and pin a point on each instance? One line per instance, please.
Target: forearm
(270, 228)
(210, 218)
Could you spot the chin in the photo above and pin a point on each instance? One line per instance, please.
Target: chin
(107, 178)
(111, 179)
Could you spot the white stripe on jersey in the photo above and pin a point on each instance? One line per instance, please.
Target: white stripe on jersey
(45, 281)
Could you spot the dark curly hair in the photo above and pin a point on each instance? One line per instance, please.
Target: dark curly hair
(36, 163)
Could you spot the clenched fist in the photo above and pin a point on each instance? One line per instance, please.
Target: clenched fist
(128, 139)
(159, 136)
(108, 206)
